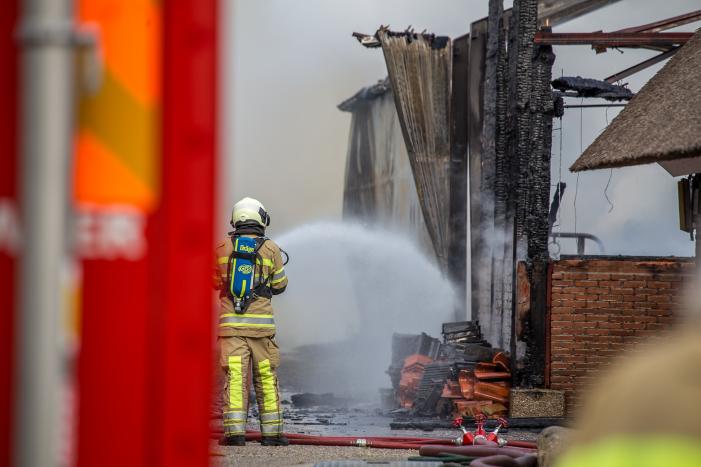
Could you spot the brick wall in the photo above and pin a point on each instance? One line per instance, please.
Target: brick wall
(601, 305)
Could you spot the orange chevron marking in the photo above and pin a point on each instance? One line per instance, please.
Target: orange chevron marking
(131, 42)
(102, 178)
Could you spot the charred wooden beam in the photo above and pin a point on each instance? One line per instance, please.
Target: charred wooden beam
(537, 227)
(588, 87)
(554, 12)
(512, 155)
(531, 109)
(526, 18)
(479, 281)
(641, 66)
(503, 253)
(457, 262)
(613, 39)
(667, 23)
(490, 318)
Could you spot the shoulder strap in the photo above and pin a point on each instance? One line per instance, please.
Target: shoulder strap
(259, 264)
(260, 241)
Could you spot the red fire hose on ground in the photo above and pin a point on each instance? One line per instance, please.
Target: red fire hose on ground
(390, 442)
(486, 449)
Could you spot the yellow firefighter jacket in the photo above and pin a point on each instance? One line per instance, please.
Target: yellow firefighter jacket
(258, 320)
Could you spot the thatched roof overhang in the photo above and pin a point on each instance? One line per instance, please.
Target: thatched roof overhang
(661, 123)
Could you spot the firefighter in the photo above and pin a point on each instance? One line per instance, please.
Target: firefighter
(249, 271)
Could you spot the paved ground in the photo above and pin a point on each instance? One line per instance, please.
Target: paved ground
(331, 422)
(253, 454)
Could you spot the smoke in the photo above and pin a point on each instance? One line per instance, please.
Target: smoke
(283, 124)
(285, 67)
(351, 287)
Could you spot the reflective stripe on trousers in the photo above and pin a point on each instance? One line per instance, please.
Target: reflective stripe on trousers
(250, 321)
(234, 422)
(271, 423)
(235, 418)
(270, 416)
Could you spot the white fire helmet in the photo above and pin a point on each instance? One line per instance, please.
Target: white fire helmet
(250, 210)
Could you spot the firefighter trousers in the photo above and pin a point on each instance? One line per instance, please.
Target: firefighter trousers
(238, 356)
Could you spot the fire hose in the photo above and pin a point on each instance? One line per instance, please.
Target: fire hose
(474, 451)
(528, 460)
(394, 442)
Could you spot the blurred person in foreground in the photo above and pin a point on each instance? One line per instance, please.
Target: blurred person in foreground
(249, 271)
(645, 410)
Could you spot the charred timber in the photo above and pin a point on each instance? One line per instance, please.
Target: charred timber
(527, 17)
(373, 40)
(457, 261)
(481, 270)
(541, 140)
(490, 174)
(588, 87)
(532, 102)
(613, 39)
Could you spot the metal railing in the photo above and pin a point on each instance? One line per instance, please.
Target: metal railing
(581, 240)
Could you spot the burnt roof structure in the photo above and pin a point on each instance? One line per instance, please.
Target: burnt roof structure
(366, 94)
(661, 123)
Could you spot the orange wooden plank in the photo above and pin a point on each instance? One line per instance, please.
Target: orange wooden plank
(467, 384)
(501, 360)
(492, 391)
(479, 374)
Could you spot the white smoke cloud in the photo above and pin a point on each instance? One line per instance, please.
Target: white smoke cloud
(287, 64)
(356, 286)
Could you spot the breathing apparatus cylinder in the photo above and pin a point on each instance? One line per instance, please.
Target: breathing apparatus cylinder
(242, 272)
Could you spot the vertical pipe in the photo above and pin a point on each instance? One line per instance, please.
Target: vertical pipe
(46, 108)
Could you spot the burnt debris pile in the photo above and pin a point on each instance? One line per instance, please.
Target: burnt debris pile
(459, 376)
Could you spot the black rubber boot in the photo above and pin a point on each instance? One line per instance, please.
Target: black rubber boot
(274, 441)
(239, 440)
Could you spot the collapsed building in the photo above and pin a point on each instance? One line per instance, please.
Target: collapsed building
(455, 145)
